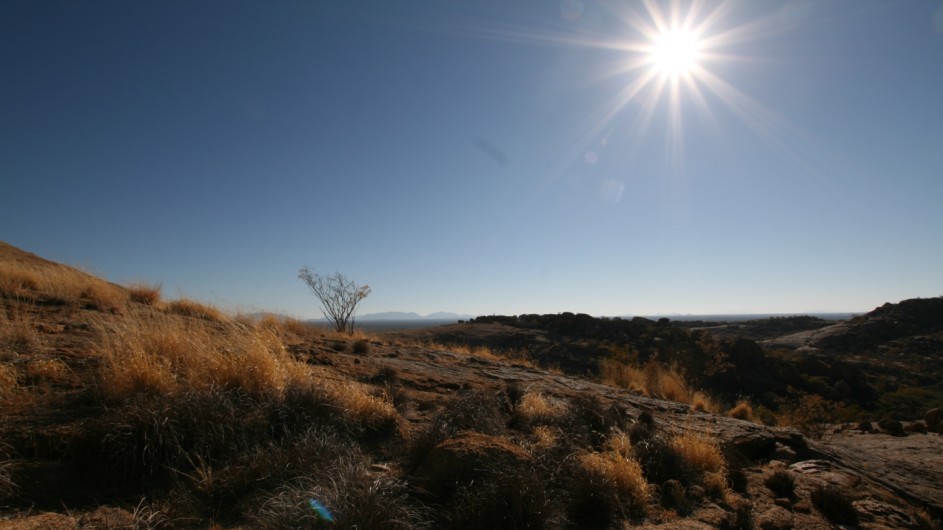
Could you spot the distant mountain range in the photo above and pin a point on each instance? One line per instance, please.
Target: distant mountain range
(403, 315)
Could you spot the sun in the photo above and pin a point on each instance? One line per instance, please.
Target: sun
(675, 52)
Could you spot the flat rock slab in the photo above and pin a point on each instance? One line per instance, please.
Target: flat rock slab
(911, 466)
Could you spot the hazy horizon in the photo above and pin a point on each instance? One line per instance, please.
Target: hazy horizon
(492, 157)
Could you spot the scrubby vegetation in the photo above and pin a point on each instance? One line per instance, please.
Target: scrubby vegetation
(180, 415)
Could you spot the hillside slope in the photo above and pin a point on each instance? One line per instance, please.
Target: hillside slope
(124, 410)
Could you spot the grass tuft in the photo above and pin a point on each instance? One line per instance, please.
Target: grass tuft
(17, 335)
(834, 505)
(607, 485)
(743, 410)
(146, 294)
(149, 351)
(782, 483)
(40, 371)
(701, 461)
(535, 409)
(352, 496)
(190, 308)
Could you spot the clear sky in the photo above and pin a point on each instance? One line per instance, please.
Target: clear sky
(476, 156)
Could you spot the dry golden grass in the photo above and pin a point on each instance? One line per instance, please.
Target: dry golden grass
(616, 373)
(667, 383)
(59, 284)
(301, 329)
(190, 308)
(150, 351)
(743, 410)
(546, 437)
(535, 408)
(46, 370)
(623, 477)
(482, 352)
(142, 293)
(655, 380)
(702, 459)
(360, 406)
(18, 280)
(8, 381)
(621, 444)
(704, 403)
(17, 335)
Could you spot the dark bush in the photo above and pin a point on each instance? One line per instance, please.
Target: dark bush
(510, 499)
(834, 505)
(473, 411)
(781, 483)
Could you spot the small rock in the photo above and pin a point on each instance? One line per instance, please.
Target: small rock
(883, 513)
(865, 426)
(802, 507)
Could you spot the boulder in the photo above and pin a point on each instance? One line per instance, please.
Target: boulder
(934, 420)
(893, 427)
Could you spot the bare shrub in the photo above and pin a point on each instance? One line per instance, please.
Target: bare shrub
(339, 297)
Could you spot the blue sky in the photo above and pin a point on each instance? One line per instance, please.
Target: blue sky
(481, 156)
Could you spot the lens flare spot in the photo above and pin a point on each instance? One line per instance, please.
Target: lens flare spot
(612, 191)
(591, 157)
(571, 10)
(321, 510)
